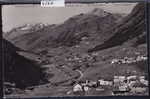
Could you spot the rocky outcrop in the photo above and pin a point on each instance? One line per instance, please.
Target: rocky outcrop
(130, 27)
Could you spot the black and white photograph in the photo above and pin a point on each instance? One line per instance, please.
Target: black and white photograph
(81, 49)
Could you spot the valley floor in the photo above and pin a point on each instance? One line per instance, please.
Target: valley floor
(67, 66)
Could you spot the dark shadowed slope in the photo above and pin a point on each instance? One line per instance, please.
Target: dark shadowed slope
(19, 70)
(130, 27)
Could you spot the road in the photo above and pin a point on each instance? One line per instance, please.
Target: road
(81, 74)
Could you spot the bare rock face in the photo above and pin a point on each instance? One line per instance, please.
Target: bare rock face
(130, 27)
(19, 70)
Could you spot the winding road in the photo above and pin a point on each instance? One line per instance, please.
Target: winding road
(81, 74)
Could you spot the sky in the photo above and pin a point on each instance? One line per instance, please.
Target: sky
(18, 15)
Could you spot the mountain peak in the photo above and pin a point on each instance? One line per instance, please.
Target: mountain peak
(99, 12)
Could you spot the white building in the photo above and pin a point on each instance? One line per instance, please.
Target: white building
(102, 82)
(143, 81)
(131, 78)
(86, 88)
(114, 61)
(77, 87)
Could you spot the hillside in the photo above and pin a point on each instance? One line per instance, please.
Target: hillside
(19, 70)
(132, 26)
(70, 32)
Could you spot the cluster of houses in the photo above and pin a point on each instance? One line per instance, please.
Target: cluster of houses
(120, 85)
(128, 60)
(130, 84)
(82, 58)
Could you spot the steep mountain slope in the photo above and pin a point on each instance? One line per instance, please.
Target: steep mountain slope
(19, 70)
(70, 32)
(130, 27)
(23, 41)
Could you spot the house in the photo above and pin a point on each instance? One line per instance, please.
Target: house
(120, 88)
(124, 88)
(131, 83)
(138, 90)
(143, 81)
(119, 78)
(142, 77)
(84, 38)
(102, 82)
(92, 84)
(95, 54)
(85, 88)
(114, 61)
(132, 78)
(77, 88)
(140, 58)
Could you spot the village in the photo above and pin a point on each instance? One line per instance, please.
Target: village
(128, 60)
(121, 85)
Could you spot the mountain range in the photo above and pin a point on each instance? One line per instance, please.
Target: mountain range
(68, 33)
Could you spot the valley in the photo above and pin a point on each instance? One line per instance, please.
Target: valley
(80, 49)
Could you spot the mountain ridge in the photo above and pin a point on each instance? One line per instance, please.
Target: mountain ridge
(70, 32)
